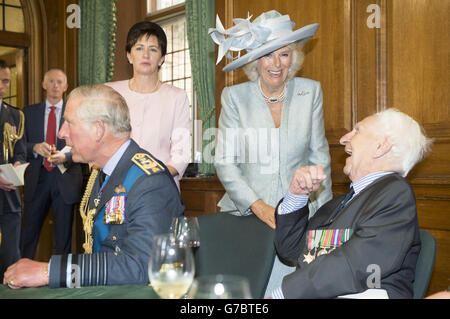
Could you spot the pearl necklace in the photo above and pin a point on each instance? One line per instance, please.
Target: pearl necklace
(272, 100)
(151, 91)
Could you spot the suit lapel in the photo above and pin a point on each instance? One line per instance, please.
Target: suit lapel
(39, 125)
(61, 143)
(284, 131)
(3, 116)
(61, 119)
(327, 221)
(286, 106)
(3, 119)
(262, 112)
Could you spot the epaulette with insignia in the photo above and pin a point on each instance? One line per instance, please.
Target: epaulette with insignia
(147, 163)
(12, 106)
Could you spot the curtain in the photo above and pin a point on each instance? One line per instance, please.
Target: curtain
(97, 41)
(200, 17)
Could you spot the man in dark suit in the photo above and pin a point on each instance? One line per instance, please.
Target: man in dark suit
(366, 242)
(12, 150)
(131, 200)
(45, 184)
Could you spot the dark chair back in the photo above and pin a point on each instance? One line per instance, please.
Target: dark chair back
(425, 264)
(236, 245)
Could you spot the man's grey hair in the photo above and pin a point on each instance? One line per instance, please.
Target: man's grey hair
(409, 143)
(101, 102)
(251, 69)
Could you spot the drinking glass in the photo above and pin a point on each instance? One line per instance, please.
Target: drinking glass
(52, 152)
(171, 268)
(220, 287)
(186, 229)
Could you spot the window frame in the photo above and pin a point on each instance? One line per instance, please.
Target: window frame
(165, 13)
(4, 5)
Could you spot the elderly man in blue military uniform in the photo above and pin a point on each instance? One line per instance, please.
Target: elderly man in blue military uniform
(12, 150)
(129, 201)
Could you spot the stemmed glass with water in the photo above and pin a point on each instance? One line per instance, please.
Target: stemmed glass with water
(186, 229)
(171, 268)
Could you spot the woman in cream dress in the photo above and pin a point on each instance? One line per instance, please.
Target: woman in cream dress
(159, 112)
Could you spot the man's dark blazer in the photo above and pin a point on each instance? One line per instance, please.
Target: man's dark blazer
(10, 114)
(385, 236)
(70, 182)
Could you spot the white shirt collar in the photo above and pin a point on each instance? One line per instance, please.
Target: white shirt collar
(58, 105)
(365, 181)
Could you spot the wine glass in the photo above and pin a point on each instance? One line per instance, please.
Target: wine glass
(186, 229)
(171, 268)
(220, 287)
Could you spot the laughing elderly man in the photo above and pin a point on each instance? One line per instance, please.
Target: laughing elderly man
(368, 238)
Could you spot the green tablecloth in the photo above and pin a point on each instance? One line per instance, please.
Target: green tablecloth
(99, 292)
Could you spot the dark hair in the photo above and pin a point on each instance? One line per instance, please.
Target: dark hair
(146, 28)
(3, 64)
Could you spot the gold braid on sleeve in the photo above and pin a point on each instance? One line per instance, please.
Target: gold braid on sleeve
(10, 137)
(87, 215)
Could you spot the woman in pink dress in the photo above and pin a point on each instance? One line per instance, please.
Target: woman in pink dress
(160, 116)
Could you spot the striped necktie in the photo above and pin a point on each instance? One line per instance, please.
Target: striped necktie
(347, 197)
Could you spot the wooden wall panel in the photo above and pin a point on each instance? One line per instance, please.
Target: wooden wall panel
(128, 13)
(419, 51)
(62, 42)
(201, 195)
(418, 82)
(418, 76)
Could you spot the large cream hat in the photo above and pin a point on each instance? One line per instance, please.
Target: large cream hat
(267, 33)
